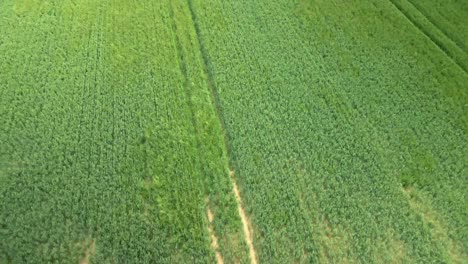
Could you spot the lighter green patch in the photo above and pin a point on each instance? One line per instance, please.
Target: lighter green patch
(434, 221)
(335, 244)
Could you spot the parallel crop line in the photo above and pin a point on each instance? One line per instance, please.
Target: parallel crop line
(81, 115)
(441, 29)
(98, 80)
(421, 28)
(93, 86)
(210, 79)
(214, 239)
(183, 68)
(104, 39)
(217, 107)
(112, 35)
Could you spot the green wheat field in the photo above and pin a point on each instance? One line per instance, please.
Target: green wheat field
(233, 131)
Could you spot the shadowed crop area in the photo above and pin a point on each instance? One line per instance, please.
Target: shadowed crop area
(192, 131)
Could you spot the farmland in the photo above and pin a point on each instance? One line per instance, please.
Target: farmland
(233, 131)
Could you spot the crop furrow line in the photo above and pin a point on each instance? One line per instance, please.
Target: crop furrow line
(94, 156)
(183, 69)
(428, 34)
(104, 37)
(441, 29)
(182, 62)
(152, 70)
(210, 80)
(51, 45)
(85, 81)
(80, 117)
(112, 35)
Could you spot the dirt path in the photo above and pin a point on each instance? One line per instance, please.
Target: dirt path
(245, 221)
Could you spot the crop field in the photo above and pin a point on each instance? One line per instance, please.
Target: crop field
(194, 131)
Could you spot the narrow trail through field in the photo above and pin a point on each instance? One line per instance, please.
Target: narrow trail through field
(245, 221)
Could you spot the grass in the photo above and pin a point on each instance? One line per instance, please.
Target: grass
(342, 128)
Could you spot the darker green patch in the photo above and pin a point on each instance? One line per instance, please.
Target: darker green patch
(418, 165)
(419, 170)
(412, 178)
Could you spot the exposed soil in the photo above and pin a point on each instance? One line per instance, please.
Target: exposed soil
(214, 239)
(245, 221)
(88, 253)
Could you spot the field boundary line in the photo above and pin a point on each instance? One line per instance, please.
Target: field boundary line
(439, 43)
(219, 113)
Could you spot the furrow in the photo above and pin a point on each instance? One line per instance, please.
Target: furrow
(453, 52)
(218, 110)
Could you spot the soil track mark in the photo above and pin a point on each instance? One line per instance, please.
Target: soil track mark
(88, 253)
(245, 221)
(210, 79)
(214, 238)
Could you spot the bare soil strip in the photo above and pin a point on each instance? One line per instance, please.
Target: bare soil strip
(245, 221)
(214, 239)
(88, 253)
